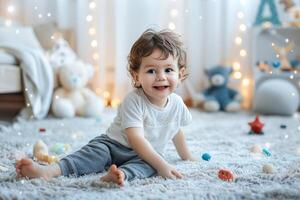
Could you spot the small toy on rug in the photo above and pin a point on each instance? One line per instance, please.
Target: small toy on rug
(73, 97)
(206, 156)
(219, 96)
(266, 152)
(268, 168)
(60, 148)
(256, 149)
(283, 126)
(42, 130)
(256, 126)
(226, 175)
(41, 153)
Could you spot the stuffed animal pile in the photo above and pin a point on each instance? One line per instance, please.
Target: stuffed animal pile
(218, 96)
(72, 97)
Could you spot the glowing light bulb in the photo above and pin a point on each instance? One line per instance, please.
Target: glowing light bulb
(40, 16)
(243, 53)
(292, 76)
(49, 14)
(238, 40)
(287, 40)
(11, 9)
(240, 15)
(89, 18)
(94, 43)
(243, 27)
(115, 102)
(237, 75)
(236, 66)
(106, 94)
(174, 12)
(92, 31)
(172, 26)
(246, 82)
(95, 56)
(92, 5)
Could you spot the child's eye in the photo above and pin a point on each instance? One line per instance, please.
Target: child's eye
(151, 71)
(168, 70)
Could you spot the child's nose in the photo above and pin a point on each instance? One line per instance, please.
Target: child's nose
(160, 76)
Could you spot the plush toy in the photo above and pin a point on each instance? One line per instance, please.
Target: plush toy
(60, 54)
(218, 96)
(73, 97)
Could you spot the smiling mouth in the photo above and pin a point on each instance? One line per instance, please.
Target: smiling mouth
(160, 87)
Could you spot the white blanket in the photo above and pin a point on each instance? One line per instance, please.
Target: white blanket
(37, 77)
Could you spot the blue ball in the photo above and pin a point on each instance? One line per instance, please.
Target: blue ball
(206, 156)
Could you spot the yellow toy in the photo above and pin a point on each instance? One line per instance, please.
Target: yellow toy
(41, 153)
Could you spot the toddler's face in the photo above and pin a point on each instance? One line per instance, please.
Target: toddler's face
(158, 77)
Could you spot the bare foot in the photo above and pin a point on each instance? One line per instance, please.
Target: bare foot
(114, 175)
(26, 167)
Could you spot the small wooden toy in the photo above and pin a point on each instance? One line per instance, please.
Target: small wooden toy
(256, 126)
(256, 149)
(268, 168)
(41, 153)
(226, 175)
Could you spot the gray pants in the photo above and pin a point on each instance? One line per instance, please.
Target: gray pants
(99, 154)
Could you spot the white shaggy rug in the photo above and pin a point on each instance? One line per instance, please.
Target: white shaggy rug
(224, 136)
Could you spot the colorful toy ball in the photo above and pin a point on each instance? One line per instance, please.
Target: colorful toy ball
(226, 175)
(256, 126)
(206, 156)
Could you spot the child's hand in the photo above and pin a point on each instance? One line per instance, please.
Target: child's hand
(169, 171)
(193, 158)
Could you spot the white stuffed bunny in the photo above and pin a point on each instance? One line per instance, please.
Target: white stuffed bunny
(73, 97)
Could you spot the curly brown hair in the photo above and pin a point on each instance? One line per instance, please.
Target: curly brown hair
(168, 42)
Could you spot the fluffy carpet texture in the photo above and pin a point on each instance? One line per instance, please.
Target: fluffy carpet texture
(224, 136)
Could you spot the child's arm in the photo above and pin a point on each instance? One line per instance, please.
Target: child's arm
(147, 153)
(181, 147)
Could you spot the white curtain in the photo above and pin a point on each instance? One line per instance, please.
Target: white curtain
(208, 28)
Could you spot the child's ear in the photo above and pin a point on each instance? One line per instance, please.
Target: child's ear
(135, 78)
(182, 73)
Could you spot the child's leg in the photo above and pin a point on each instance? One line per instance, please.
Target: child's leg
(26, 167)
(92, 158)
(136, 168)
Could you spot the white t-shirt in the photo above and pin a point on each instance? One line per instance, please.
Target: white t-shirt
(160, 125)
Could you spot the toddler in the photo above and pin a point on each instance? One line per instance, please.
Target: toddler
(147, 119)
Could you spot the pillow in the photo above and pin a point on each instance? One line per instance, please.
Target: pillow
(19, 35)
(276, 97)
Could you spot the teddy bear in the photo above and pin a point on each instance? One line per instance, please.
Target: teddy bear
(73, 97)
(218, 96)
(61, 53)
